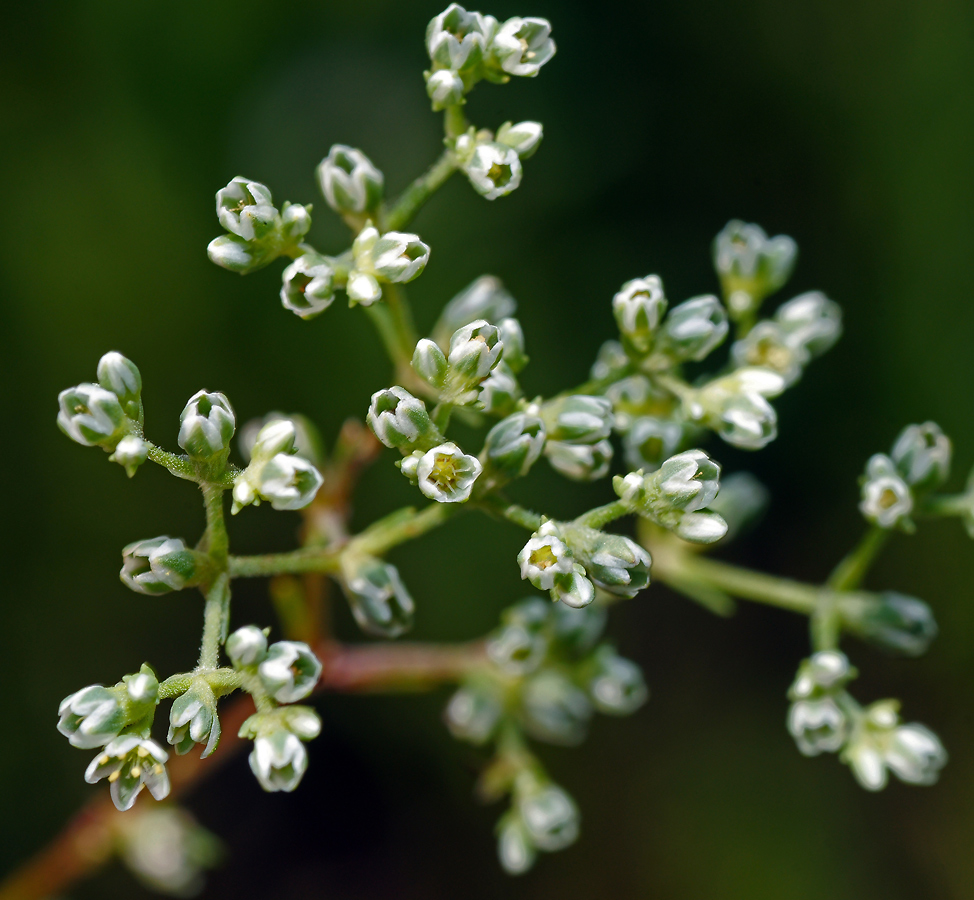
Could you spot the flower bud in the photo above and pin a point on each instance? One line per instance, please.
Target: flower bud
(493, 169)
(549, 815)
(206, 425)
(308, 287)
(91, 717)
(810, 321)
(520, 645)
(409, 466)
(349, 181)
(580, 462)
(278, 759)
(512, 337)
(524, 138)
(825, 672)
(638, 309)
(362, 288)
(457, 39)
(578, 419)
(159, 565)
(522, 46)
(886, 498)
(400, 420)
(472, 714)
(247, 647)
(553, 709)
(379, 600)
(922, 455)
(131, 763)
(650, 440)
(295, 221)
(915, 754)
(514, 444)
(429, 363)
(768, 346)
(122, 377)
(735, 407)
(446, 474)
(499, 391)
(694, 328)
(275, 474)
(246, 209)
(393, 256)
(193, 720)
(474, 351)
(818, 726)
(894, 621)
(290, 671)
(574, 589)
(306, 437)
(751, 265)
(515, 852)
(232, 252)
(617, 687)
(484, 298)
(130, 453)
(142, 692)
(92, 416)
(444, 87)
(613, 562)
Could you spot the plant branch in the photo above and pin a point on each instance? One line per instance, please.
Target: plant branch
(411, 200)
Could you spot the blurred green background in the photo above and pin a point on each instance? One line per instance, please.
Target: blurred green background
(849, 126)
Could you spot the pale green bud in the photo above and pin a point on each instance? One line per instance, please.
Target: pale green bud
(616, 686)
(650, 440)
(409, 466)
(493, 169)
(522, 46)
(612, 562)
(122, 377)
(499, 391)
(512, 337)
(131, 763)
(887, 499)
(245, 208)
(447, 474)
(278, 759)
(429, 363)
(247, 647)
(894, 621)
(362, 288)
(472, 714)
(349, 181)
(379, 600)
(484, 298)
(394, 256)
(574, 590)
(825, 672)
(92, 716)
(457, 39)
(915, 754)
(768, 346)
(693, 329)
(92, 416)
(159, 565)
(290, 671)
(234, 253)
(811, 321)
(193, 720)
(515, 852)
(308, 287)
(553, 709)
(751, 265)
(295, 221)
(580, 462)
(520, 645)
(130, 453)
(524, 138)
(611, 362)
(306, 438)
(578, 419)
(922, 455)
(444, 87)
(141, 691)
(736, 408)
(639, 307)
(549, 815)
(275, 473)
(400, 420)
(474, 351)
(514, 444)
(818, 726)
(206, 425)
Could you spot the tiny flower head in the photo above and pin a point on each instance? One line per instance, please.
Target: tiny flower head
(349, 180)
(206, 425)
(308, 286)
(522, 46)
(246, 209)
(131, 763)
(446, 474)
(494, 169)
(91, 717)
(289, 671)
(92, 416)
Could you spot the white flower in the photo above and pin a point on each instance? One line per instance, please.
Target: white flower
(91, 717)
(523, 46)
(279, 760)
(290, 671)
(817, 726)
(349, 180)
(446, 474)
(494, 170)
(247, 646)
(131, 763)
(544, 557)
(246, 208)
(886, 498)
(308, 286)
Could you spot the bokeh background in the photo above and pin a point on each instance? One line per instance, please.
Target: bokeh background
(849, 126)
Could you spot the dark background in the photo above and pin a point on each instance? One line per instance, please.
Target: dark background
(849, 126)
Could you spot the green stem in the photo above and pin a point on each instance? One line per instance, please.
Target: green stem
(676, 386)
(947, 505)
(311, 559)
(602, 515)
(217, 541)
(223, 681)
(849, 573)
(401, 315)
(441, 416)
(454, 122)
(520, 516)
(412, 199)
(183, 466)
(216, 615)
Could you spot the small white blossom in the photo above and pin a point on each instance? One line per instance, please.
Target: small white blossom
(447, 474)
(131, 763)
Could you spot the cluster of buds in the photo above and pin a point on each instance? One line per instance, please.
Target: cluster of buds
(542, 817)
(474, 352)
(118, 719)
(823, 718)
(736, 406)
(801, 329)
(751, 265)
(159, 565)
(276, 473)
(578, 443)
(108, 414)
(392, 258)
(893, 485)
(350, 182)
(379, 600)
(677, 496)
(282, 673)
(465, 47)
(492, 162)
(258, 232)
(512, 446)
(484, 298)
